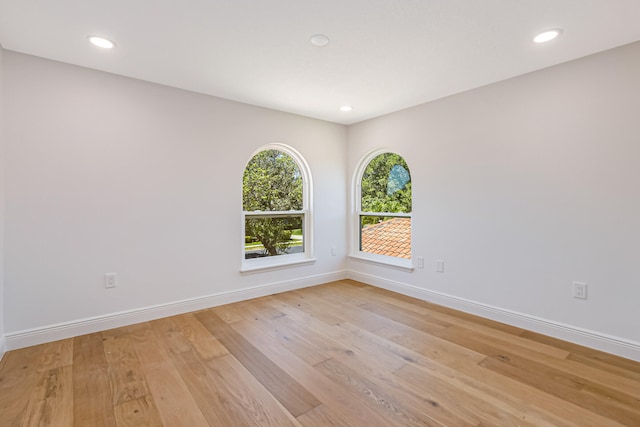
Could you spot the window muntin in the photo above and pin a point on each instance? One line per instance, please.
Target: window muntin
(275, 206)
(384, 207)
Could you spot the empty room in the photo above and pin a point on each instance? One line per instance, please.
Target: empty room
(339, 213)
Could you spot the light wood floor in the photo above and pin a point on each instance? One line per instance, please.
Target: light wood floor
(341, 354)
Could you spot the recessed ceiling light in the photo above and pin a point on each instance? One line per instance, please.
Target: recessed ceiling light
(547, 36)
(346, 108)
(319, 40)
(102, 42)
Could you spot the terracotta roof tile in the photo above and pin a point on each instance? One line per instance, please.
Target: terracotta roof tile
(391, 238)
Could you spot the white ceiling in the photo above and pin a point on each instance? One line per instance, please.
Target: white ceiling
(384, 55)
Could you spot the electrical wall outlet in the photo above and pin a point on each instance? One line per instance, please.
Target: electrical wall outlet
(440, 266)
(580, 290)
(418, 262)
(110, 280)
(334, 250)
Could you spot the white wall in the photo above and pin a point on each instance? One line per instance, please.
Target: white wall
(2, 304)
(523, 187)
(111, 174)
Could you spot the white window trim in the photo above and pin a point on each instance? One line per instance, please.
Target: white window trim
(388, 261)
(281, 261)
(393, 214)
(356, 212)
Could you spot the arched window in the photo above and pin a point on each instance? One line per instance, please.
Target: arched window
(275, 208)
(383, 207)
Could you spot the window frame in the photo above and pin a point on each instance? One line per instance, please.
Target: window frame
(275, 262)
(357, 213)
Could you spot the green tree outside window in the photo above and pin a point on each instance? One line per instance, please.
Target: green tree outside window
(272, 182)
(386, 186)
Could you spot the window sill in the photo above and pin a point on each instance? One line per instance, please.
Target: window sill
(397, 263)
(266, 264)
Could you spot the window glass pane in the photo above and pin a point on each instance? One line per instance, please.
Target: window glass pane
(398, 179)
(386, 185)
(390, 236)
(272, 182)
(273, 235)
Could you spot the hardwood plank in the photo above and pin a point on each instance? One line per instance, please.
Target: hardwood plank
(337, 399)
(285, 389)
(56, 354)
(459, 400)
(252, 402)
(385, 404)
(360, 349)
(347, 313)
(289, 339)
(494, 389)
(329, 341)
(321, 416)
(51, 402)
(424, 323)
(381, 372)
(428, 345)
(215, 401)
(378, 365)
(174, 402)
(431, 321)
(485, 344)
(491, 346)
(620, 400)
(560, 384)
(527, 397)
(300, 300)
(350, 283)
(18, 375)
(605, 367)
(88, 353)
(260, 308)
(140, 412)
(448, 311)
(125, 373)
(228, 312)
(92, 401)
(91, 386)
(16, 362)
(522, 401)
(185, 333)
(124, 331)
(527, 401)
(596, 358)
(305, 335)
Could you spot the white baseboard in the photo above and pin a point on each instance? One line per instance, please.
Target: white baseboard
(3, 346)
(596, 340)
(26, 338)
(607, 343)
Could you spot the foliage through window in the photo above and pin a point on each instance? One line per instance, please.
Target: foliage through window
(384, 214)
(273, 205)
